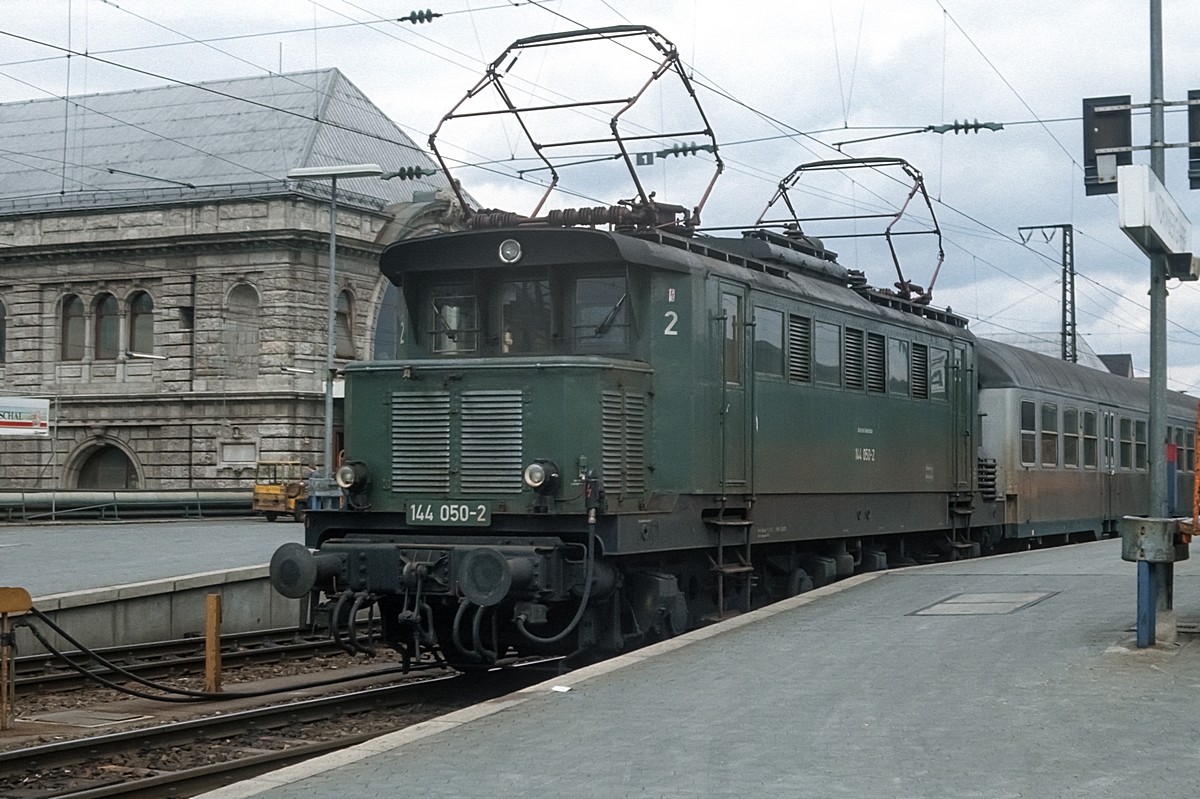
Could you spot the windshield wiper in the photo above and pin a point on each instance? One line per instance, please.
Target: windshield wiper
(603, 327)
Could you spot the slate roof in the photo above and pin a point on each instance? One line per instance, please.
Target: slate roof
(227, 138)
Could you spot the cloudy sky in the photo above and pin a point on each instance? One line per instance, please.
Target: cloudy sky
(781, 82)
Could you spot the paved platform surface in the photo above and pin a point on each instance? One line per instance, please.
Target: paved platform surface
(53, 559)
(873, 687)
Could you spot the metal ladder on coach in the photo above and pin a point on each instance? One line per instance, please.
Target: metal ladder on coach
(741, 569)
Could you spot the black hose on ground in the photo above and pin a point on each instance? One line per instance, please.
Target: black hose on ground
(183, 695)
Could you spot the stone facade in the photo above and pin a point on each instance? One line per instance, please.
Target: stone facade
(239, 291)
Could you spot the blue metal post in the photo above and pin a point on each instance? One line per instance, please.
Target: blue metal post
(1145, 605)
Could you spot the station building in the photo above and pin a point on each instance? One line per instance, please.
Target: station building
(165, 286)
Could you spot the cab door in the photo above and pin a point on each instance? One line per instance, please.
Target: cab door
(962, 376)
(733, 363)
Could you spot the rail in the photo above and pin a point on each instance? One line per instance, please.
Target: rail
(27, 506)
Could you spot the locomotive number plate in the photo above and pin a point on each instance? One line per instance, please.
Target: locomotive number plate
(473, 514)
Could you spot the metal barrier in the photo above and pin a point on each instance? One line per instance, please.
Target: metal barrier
(28, 506)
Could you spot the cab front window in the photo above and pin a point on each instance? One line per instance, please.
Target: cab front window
(601, 315)
(455, 322)
(526, 317)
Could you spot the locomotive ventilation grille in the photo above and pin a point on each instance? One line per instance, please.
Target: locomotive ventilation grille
(624, 438)
(421, 442)
(491, 442)
(486, 433)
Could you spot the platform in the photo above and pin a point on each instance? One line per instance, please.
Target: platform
(116, 583)
(1013, 676)
(57, 558)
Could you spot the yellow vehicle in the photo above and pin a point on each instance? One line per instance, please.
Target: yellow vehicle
(279, 489)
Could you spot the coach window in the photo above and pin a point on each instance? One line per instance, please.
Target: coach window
(1071, 437)
(1090, 440)
(854, 359)
(1028, 433)
(141, 323)
(898, 367)
(938, 386)
(800, 349)
(602, 315)
(108, 327)
(72, 328)
(1126, 443)
(768, 341)
(827, 354)
(1189, 449)
(1179, 448)
(1139, 433)
(526, 316)
(454, 320)
(876, 363)
(1049, 434)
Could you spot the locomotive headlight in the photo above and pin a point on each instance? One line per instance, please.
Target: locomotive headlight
(352, 476)
(542, 476)
(510, 251)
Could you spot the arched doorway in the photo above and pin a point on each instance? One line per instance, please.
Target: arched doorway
(107, 468)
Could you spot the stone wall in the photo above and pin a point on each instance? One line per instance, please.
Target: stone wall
(199, 413)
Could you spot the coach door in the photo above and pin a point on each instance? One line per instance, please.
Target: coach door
(733, 364)
(1108, 460)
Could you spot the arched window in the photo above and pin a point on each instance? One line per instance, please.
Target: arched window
(141, 323)
(387, 326)
(108, 327)
(107, 468)
(241, 332)
(3, 328)
(342, 326)
(72, 328)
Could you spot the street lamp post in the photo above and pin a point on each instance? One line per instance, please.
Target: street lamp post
(333, 173)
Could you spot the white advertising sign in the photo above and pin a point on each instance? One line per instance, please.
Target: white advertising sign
(22, 416)
(1149, 214)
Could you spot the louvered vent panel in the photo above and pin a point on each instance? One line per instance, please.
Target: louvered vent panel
(876, 372)
(854, 359)
(920, 371)
(611, 433)
(635, 443)
(623, 430)
(799, 348)
(421, 442)
(492, 446)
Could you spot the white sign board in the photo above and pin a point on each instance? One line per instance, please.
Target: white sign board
(1149, 214)
(21, 416)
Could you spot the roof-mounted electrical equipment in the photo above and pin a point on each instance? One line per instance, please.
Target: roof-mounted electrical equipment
(792, 223)
(584, 126)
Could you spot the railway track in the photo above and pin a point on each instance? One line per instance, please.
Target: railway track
(186, 758)
(46, 673)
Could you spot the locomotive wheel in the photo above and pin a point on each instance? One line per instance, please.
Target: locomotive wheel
(271, 515)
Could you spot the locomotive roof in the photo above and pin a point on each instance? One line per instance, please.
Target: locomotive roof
(1005, 366)
(554, 246)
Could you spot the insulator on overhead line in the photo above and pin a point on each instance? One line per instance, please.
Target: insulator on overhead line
(418, 17)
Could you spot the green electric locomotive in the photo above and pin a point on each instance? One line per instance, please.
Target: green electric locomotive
(603, 427)
(597, 437)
